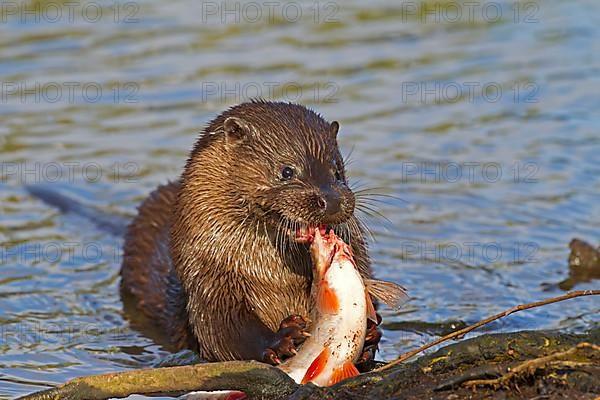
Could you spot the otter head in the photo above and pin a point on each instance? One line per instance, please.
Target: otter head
(283, 165)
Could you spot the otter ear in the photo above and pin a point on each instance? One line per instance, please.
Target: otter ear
(236, 129)
(335, 127)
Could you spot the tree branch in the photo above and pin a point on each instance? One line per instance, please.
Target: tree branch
(470, 328)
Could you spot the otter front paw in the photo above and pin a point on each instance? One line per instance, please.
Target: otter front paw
(291, 334)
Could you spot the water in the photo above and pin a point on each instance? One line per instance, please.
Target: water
(465, 241)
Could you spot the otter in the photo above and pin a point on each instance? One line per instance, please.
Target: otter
(218, 259)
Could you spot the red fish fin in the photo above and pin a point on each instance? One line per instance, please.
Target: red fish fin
(371, 313)
(235, 395)
(317, 366)
(327, 300)
(345, 371)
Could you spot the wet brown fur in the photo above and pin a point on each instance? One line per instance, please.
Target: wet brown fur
(209, 257)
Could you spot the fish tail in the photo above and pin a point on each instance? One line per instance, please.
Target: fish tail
(345, 371)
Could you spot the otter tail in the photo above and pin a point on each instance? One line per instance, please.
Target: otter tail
(113, 224)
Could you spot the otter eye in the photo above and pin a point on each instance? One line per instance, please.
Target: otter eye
(287, 173)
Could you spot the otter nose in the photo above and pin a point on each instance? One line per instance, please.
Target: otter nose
(329, 201)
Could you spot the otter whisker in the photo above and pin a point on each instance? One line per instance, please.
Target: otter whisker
(369, 201)
(285, 235)
(368, 193)
(369, 189)
(356, 186)
(291, 229)
(349, 231)
(343, 231)
(374, 194)
(361, 226)
(359, 186)
(373, 213)
(279, 235)
(347, 159)
(371, 208)
(278, 244)
(303, 226)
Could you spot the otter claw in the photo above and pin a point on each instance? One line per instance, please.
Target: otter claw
(293, 321)
(290, 335)
(270, 357)
(373, 337)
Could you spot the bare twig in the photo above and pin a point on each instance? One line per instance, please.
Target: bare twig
(464, 331)
(530, 366)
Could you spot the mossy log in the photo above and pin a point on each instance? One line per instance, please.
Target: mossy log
(257, 380)
(444, 374)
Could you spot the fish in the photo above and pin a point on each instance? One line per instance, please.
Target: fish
(342, 306)
(214, 395)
